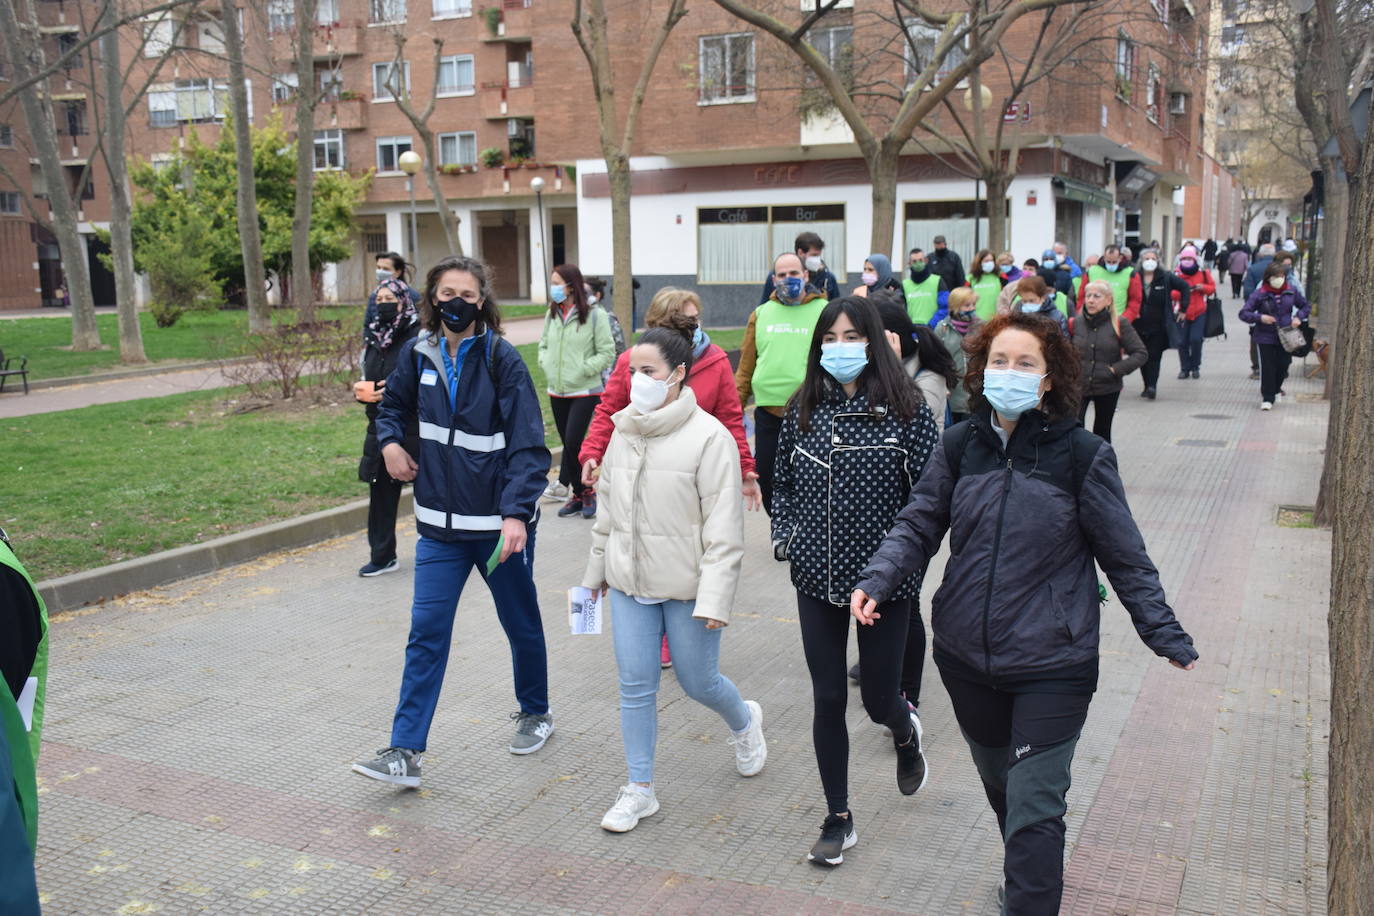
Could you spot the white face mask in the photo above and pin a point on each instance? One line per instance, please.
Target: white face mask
(1148, 265)
(813, 263)
(647, 393)
(1276, 282)
(989, 267)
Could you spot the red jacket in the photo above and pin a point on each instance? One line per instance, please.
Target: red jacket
(1203, 286)
(712, 381)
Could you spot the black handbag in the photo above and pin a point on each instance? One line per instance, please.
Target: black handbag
(1215, 319)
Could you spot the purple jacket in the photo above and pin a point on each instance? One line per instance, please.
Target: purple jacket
(1238, 261)
(1285, 305)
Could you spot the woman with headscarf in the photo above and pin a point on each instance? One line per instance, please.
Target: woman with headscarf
(877, 275)
(391, 324)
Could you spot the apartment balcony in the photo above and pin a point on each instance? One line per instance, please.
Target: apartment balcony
(343, 114)
(516, 24)
(479, 182)
(1178, 159)
(500, 101)
(338, 39)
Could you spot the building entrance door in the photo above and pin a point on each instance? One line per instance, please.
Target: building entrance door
(501, 250)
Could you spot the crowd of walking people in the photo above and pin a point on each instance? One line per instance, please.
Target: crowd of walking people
(933, 401)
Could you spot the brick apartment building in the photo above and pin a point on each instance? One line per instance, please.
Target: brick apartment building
(726, 170)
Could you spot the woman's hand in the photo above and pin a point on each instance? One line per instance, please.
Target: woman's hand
(513, 533)
(399, 464)
(753, 493)
(589, 472)
(712, 624)
(895, 342)
(368, 392)
(864, 608)
(1268, 319)
(1297, 323)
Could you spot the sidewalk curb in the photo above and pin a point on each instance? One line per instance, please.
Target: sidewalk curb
(160, 369)
(92, 586)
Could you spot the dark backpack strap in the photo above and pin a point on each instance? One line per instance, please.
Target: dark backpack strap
(1083, 448)
(954, 451)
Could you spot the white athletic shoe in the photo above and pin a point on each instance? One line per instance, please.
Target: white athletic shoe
(556, 492)
(751, 751)
(630, 806)
(1265, 405)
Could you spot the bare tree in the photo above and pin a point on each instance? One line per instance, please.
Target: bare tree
(250, 233)
(302, 277)
(24, 48)
(882, 132)
(591, 29)
(399, 87)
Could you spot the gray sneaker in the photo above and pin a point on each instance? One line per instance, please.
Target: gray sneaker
(395, 765)
(531, 732)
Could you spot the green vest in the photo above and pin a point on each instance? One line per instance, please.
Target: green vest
(782, 336)
(988, 287)
(922, 299)
(1077, 282)
(1119, 281)
(23, 743)
(1061, 302)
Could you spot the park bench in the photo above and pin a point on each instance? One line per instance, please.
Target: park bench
(7, 368)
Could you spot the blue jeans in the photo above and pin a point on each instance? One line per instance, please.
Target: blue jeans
(1190, 344)
(638, 632)
(441, 569)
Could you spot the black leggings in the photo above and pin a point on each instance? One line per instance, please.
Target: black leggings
(1104, 406)
(767, 427)
(1236, 285)
(1155, 345)
(572, 416)
(1274, 361)
(1022, 745)
(825, 639)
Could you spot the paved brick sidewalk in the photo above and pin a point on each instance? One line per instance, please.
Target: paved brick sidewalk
(199, 735)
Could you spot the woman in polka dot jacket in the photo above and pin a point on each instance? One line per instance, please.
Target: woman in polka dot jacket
(853, 443)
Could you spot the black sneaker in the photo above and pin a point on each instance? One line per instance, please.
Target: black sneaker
(379, 569)
(854, 674)
(1183, 374)
(1197, 374)
(1149, 393)
(589, 504)
(571, 507)
(911, 761)
(837, 835)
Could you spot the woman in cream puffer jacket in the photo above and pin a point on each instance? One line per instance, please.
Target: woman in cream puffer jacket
(667, 546)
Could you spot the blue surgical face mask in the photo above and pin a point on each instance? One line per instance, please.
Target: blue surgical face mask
(1011, 393)
(791, 288)
(1112, 267)
(698, 338)
(558, 293)
(844, 359)
(1031, 307)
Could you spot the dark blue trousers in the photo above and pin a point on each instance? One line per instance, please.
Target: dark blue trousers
(441, 570)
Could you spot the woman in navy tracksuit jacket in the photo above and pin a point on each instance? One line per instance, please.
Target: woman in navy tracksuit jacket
(483, 465)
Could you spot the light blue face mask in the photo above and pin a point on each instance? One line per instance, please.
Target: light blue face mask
(844, 359)
(1011, 393)
(698, 338)
(1031, 307)
(558, 293)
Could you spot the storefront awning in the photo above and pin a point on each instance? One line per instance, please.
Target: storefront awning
(1070, 189)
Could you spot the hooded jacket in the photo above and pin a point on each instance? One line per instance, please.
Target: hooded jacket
(573, 354)
(711, 380)
(1284, 304)
(670, 520)
(1105, 357)
(1019, 600)
(482, 459)
(378, 364)
(839, 485)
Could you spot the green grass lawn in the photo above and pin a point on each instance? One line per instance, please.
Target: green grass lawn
(197, 336)
(84, 488)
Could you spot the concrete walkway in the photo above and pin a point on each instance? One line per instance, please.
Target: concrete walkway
(199, 735)
(47, 400)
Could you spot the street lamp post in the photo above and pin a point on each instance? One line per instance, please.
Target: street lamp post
(537, 186)
(409, 162)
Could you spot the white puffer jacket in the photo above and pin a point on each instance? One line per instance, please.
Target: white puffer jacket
(670, 516)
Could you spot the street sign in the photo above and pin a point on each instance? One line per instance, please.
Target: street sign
(1017, 110)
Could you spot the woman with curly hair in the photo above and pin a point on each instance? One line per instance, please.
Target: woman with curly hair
(1032, 501)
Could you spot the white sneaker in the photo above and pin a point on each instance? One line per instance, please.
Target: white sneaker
(751, 751)
(630, 805)
(1265, 405)
(556, 492)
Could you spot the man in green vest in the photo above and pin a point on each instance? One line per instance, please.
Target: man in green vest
(773, 355)
(927, 295)
(23, 665)
(1113, 270)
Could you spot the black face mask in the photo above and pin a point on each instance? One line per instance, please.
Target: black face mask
(457, 314)
(919, 276)
(387, 311)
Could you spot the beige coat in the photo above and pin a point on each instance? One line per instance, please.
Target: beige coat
(670, 514)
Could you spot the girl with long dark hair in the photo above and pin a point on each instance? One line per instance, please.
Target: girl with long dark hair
(854, 441)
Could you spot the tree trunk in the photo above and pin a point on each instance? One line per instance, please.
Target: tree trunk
(250, 231)
(997, 184)
(302, 287)
(446, 216)
(1351, 617)
(20, 43)
(121, 212)
(624, 282)
(1331, 247)
(882, 172)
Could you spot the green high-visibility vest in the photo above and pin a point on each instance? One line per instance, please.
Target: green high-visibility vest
(987, 287)
(1061, 302)
(1118, 280)
(782, 336)
(23, 742)
(922, 299)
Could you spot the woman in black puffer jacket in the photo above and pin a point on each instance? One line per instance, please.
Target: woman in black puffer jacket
(1108, 350)
(854, 441)
(1032, 501)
